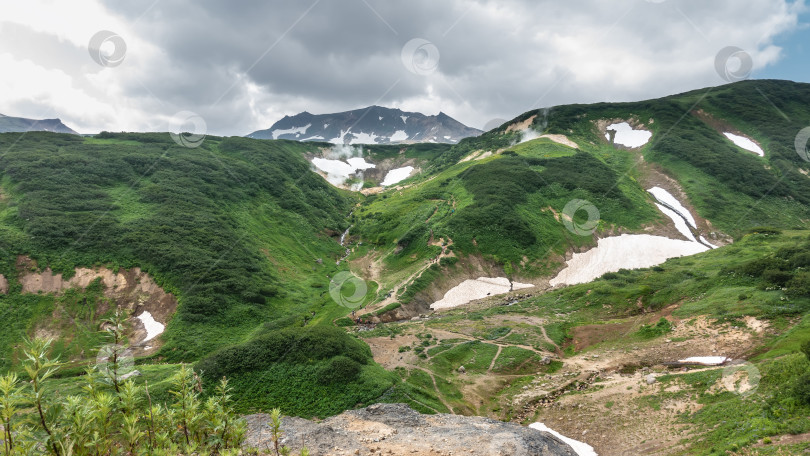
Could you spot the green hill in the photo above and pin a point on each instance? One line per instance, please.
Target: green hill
(245, 235)
(505, 207)
(234, 228)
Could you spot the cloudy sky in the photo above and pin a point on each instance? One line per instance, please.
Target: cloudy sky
(241, 65)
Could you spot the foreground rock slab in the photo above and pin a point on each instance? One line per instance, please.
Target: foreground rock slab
(397, 429)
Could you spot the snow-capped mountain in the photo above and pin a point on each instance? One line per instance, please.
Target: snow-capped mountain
(20, 124)
(372, 125)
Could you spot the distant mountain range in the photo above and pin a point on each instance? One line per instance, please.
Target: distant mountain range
(372, 125)
(19, 124)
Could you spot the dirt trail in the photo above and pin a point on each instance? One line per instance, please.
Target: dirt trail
(617, 413)
(375, 269)
(495, 358)
(436, 388)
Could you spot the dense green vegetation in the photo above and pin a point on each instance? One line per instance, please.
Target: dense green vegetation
(315, 372)
(243, 234)
(113, 414)
(233, 229)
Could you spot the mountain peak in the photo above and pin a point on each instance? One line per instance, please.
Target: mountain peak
(371, 125)
(21, 124)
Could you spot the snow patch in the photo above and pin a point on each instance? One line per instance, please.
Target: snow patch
(705, 360)
(665, 197)
(364, 138)
(404, 118)
(339, 139)
(745, 143)
(627, 136)
(396, 175)
(470, 290)
(294, 130)
(628, 251)
(399, 135)
(580, 448)
(343, 162)
(153, 327)
(314, 138)
(705, 241)
(680, 223)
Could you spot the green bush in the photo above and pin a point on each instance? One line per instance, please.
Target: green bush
(802, 388)
(339, 370)
(805, 348)
(289, 345)
(659, 329)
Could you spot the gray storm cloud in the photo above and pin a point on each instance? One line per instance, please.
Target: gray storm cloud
(241, 66)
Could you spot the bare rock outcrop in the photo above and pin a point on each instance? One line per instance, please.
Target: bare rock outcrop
(398, 429)
(131, 290)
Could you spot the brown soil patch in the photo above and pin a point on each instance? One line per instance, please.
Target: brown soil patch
(519, 126)
(3, 284)
(561, 139)
(132, 291)
(386, 351)
(587, 335)
(615, 415)
(786, 440)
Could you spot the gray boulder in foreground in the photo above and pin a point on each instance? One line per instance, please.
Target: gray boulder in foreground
(397, 429)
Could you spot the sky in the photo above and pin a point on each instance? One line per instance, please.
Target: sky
(239, 66)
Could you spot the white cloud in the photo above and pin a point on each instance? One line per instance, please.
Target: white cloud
(497, 59)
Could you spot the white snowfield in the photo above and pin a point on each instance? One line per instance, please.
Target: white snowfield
(337, 171)
(745, 143)
(399, 135)
(580, 448)
(364, 138)
(396, 175)
(680, 223)
(470, 290)
(626, 136)
(705, 360)
(628, 251)
(665, 197)
(706, 241)
(680, 216)
(153, 327)
(295, 130)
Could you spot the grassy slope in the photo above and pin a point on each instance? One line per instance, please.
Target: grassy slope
(233, 228)
(498, 207)
(713, 284)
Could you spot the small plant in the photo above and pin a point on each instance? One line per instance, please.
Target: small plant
(39, 367)
(659, 329)
(10, 399)
(805, 348)
(106, 421)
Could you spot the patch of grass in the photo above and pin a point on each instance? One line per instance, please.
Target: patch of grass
(475, 356)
